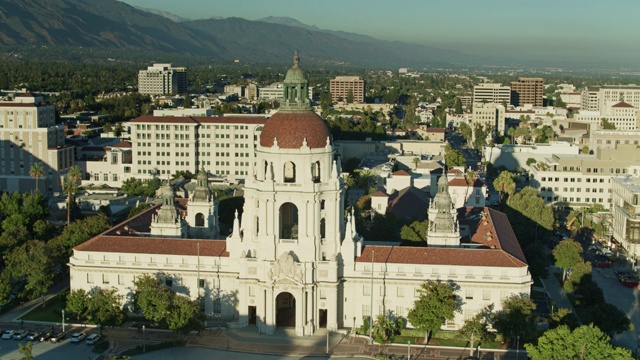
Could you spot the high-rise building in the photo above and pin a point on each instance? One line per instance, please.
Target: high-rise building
(490, 116)
(28, 135)
(162, 79)
(527, 91)
(343, 86)
(492, 93)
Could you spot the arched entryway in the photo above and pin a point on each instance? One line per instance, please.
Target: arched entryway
(285, 310)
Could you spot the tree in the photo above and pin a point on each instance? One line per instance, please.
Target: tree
(26, 350)
(416, 231)
(118, 129)
(453, 157)
(505, 184)
(567, 253)
(584, 150)
(531, 161)
(415, 161)
(457, 106)
(476, 327)
(32, 262)
(107, 128)
(465, 131)
(105, 307)
(436, 303)
(586, 343)
(182, 313)
(563, 316)
(36, 171)
(578, 271)
(152, 297)
(349, 97)
(480, 135)
(71, 186)
(138, 187)
(607, 125)
(187, 103)
(78, 303)
(517, 317)
(470, 177)
(383, 329)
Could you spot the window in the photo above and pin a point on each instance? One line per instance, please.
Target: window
(366, 310)
(400, 291)
(323, 294)
(201, 283)
(468, 294)
(89, 278)
(486, 294)
(105, 278)
(217, 306)
(366, 290)
(168, 282)
(289, 172)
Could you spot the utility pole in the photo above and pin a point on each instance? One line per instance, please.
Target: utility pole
(62, 320)
(144, 340)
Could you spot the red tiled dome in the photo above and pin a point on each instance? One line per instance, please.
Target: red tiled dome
(291, 128)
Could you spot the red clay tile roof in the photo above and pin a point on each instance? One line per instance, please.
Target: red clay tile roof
(231, 120)
(409, 203)
(463, 182)
(122, 144)
(11, 104)
(436, 130)
(454, 172)
(151, 245)
(622, 104)
(290, 129)
(439, 256)
(379, 194)
(401, 173)
(489, 228)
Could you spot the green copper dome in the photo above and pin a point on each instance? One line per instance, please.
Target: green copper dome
(295, 75)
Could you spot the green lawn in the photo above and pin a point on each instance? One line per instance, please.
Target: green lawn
(49, 313)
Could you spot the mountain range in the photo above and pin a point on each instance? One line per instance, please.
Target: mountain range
(112, 24)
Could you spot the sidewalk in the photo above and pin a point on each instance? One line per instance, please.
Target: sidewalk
(19, 311)
(555, 290)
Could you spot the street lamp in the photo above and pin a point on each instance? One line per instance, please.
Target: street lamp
(144, 343)
(517, 347)
(62, 320)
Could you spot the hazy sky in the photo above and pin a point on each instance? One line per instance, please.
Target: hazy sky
(542, 29)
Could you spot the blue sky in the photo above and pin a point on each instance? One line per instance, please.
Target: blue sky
(540, 30)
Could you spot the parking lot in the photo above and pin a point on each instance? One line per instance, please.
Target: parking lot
(64, 349)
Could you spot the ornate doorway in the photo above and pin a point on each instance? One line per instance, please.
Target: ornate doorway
(285, 310)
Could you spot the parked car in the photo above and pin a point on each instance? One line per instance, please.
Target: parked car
(45, 336)
(57, 338)
(20, 334)
(78, 337)
(32, 336)
(8, 334)
(93, 339)
(600, 261)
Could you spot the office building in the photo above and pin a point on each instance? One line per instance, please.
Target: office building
(490, 116)
(527, 91)
(342, 86)
(162, 79)
(626, 214)
(28, 135)
(492, 93)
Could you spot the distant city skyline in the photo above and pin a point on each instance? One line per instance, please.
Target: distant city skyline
(543, 30)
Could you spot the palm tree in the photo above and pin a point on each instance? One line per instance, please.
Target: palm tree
(505, 185)
(36, 171)
(71, 186)
(415, 161)
(470, 176)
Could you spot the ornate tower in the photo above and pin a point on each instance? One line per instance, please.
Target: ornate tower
(293, 219)
(168, 222)
(203, 210)
(443, 224)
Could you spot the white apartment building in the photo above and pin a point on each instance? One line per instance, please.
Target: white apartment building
(582, 180)
(28, 135)
(492, 93)
(224, 146)
(112, 169)
(489, 115)
(613, 138)
(626, 213)
(294, 258)
(622, 115)
(589, 97)
(275, 91)
(162, 79)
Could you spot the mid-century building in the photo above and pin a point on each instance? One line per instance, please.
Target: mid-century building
(28, 135)
(162, 79)
(294, 258)
(341, 86)
(527, 91)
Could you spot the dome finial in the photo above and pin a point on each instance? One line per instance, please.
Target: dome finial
(296, 59)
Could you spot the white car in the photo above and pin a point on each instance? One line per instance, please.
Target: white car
(78, 337)
(93, 339)
(20, 334)
(8, 334)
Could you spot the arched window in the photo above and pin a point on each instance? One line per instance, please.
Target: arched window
(257, 225)
(199, 219)
(266, 170)
(315, 176)
(323, 228)
(289, 172)
(288, 221)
